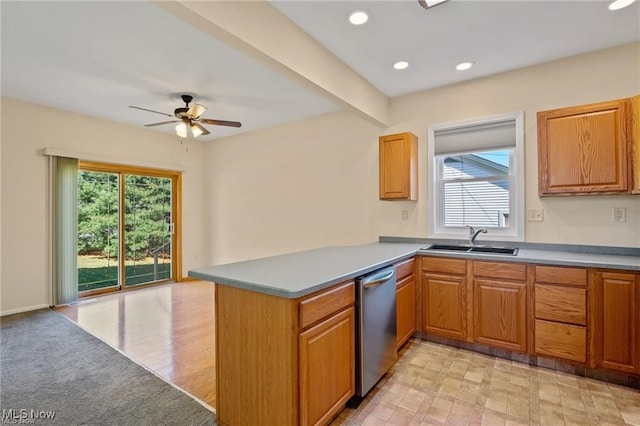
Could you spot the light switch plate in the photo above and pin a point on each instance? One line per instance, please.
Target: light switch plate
(535, 215)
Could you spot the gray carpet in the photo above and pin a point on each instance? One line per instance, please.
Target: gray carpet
(48, 363)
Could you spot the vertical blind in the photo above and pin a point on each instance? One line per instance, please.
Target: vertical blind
(64, 175)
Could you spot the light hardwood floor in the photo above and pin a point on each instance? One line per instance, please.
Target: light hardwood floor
(169, 329)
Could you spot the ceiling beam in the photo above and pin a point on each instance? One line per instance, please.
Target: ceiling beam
(262, 32)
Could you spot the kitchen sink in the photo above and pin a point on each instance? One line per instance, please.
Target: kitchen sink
(447, 247)
(510, 251)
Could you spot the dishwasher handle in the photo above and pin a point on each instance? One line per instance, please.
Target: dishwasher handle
(373, 280)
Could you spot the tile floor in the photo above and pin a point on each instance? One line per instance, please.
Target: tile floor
(433, 384)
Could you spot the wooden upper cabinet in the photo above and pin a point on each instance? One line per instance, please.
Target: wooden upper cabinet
(399, 167)
(635, 134)
(585, 149)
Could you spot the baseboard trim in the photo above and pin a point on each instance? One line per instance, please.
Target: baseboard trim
(25, 309)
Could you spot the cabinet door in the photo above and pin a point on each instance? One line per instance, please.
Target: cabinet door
(617, 321)
(635, 134)
(444, 305)
(405, 310)
(327, 368)
(500, 310)
(398, 167)
(583, 149)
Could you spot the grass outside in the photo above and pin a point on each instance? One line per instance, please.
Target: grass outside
(96, 272)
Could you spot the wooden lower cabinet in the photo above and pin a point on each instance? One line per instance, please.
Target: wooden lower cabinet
(405, 310)
(284, 362)
(560, 340)
(617, 321)
(583, 315)
(327, 369)
(444, 305)
(560, 311)
(500, 314)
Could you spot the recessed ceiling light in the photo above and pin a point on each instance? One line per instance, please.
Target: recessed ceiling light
(358, 17)
(462, 66)
(619, 4)
(400, 65)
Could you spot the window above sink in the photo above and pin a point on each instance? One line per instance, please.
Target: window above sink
(477, 178)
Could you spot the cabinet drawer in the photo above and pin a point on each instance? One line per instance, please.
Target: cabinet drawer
(561, 275)
(564, 304)
(503, 271)
(405, 268)
(325, 303)
(561, 340)
(446, 266)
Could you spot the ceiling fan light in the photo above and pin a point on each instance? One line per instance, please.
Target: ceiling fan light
(181, 130)
(195, 130)
(196, 110)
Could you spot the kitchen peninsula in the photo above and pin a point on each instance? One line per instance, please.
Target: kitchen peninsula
(285, 324)
(285, 343)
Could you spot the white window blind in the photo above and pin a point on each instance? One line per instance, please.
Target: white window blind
(479, 137)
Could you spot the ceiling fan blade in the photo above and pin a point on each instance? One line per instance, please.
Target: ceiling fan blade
(220, 122)
(196, 110)
(161, 123)
(204, 131)
(150, 110)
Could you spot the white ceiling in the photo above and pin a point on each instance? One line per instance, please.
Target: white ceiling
(96, 58)
(497, 35)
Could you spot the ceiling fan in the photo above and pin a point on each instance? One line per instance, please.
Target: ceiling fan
(188, 119)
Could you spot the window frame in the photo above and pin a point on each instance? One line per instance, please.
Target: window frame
(516, 178)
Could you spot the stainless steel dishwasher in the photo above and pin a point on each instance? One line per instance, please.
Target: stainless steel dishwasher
(375, 328)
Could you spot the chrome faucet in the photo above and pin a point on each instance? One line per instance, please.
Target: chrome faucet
(473, 234)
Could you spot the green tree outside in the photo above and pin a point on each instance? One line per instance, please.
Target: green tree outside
(147, 204)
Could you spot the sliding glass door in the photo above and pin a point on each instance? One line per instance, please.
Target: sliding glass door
(148, 229)
(126, 227)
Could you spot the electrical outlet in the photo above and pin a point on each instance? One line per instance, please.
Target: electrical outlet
(619, 214)
(535, 215)
(405, 214)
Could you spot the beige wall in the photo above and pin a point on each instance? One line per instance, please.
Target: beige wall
(292, 187)
(26, 129)
(599, 76)
(314, 182)
(309, 183)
